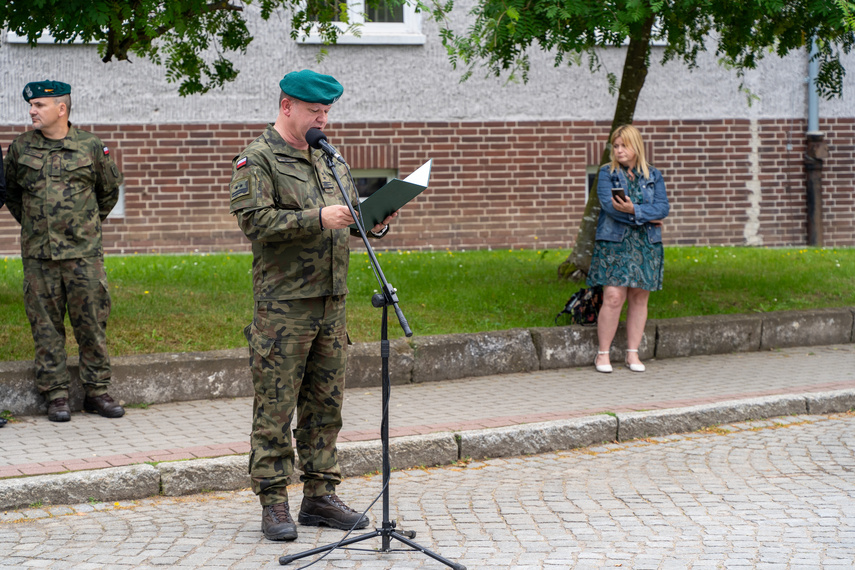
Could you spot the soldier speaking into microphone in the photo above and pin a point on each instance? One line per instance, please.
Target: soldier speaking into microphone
(287, 202)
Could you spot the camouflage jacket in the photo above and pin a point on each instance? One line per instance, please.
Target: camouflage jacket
(60, 192)
(277, 193)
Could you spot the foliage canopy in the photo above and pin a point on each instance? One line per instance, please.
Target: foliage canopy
(193, 39)
(742, 32)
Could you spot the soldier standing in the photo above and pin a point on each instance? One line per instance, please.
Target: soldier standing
(61, 184)
(288, 204)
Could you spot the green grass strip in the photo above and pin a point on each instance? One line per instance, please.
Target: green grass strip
(183, 303)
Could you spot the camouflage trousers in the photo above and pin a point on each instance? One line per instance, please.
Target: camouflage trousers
(297, 356)
(81, 285)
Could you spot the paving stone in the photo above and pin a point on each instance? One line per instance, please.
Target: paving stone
(709, 501)
(731, 495)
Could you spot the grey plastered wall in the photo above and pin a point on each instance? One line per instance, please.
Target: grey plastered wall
(398, 83)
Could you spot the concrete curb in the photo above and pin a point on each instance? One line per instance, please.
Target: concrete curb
(359, 458)
(717, 334)
(147, 378)
(639, 425)
(540, 437)
(103, 485)
(162, 378)
(833, 402)
(453, 356)
(790, 328)
(199, 475)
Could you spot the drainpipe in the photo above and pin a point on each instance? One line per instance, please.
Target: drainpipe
(817, 151)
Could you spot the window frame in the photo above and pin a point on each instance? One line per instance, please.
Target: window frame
(118, 211)
(45, 39)
(380, 173)
(408, 32)
(590, 179)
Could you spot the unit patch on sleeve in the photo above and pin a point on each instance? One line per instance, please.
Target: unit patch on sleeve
(239, 189)
(241, 163)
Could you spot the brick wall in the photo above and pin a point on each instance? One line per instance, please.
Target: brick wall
(839, 183)
(493, 184)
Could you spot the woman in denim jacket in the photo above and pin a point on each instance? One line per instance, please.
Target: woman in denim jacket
(628, 255)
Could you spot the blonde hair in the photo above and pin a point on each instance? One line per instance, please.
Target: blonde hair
(631, 138)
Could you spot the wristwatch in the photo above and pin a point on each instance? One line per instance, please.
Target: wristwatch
(381, 233)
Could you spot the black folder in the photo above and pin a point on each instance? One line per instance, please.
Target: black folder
(392, 197)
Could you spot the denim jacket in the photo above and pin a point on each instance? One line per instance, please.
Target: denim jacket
(612, 224)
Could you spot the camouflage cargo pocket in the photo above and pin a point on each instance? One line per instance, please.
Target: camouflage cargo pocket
(264, 373)
(81, 171)
(104, 303)
(33, 160)
(29, 298)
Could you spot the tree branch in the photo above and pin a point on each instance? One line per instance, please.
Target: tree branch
(120, 48)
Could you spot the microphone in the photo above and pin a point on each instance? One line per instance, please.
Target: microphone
(317, 139)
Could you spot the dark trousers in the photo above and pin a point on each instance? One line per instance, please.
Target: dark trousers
(297, 356)
(80, 285)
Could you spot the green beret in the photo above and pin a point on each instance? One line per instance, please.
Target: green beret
(47, 88)
(311, 87)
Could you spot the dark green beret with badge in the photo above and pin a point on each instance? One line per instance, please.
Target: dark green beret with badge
(38, 89)
(311, 87)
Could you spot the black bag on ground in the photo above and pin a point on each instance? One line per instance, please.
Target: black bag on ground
(583, 306)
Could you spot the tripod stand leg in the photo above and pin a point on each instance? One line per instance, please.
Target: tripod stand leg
(386, 534)
(283, 560)
(423, 550)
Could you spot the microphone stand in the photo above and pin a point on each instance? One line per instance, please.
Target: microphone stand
(388, 297)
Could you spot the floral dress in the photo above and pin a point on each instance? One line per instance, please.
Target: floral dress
(633, 262)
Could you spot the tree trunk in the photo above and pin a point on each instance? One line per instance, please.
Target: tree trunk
(635, 66)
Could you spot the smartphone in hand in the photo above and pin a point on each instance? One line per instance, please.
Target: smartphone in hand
(618, 192)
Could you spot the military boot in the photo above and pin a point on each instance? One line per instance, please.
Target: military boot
(277, 524)
(330, 511)
(103, 405)
(58, 410)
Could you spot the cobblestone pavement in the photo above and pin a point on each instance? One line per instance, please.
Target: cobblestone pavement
(202, 428)
(770, 494)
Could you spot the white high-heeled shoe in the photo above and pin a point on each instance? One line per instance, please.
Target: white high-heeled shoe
(634, 367)
(602, 367)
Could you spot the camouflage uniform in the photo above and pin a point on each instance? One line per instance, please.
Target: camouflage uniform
(297, 338)
(60, 192)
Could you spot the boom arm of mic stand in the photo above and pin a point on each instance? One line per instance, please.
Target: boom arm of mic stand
(389, 295)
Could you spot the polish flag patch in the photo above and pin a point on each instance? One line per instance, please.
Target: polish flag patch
(240, 164)
(106, 151)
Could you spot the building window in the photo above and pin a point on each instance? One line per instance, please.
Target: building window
(383, 13)
(383, 24)
(370, 181)
(45, 38)
(118, 210)
(590, 179)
